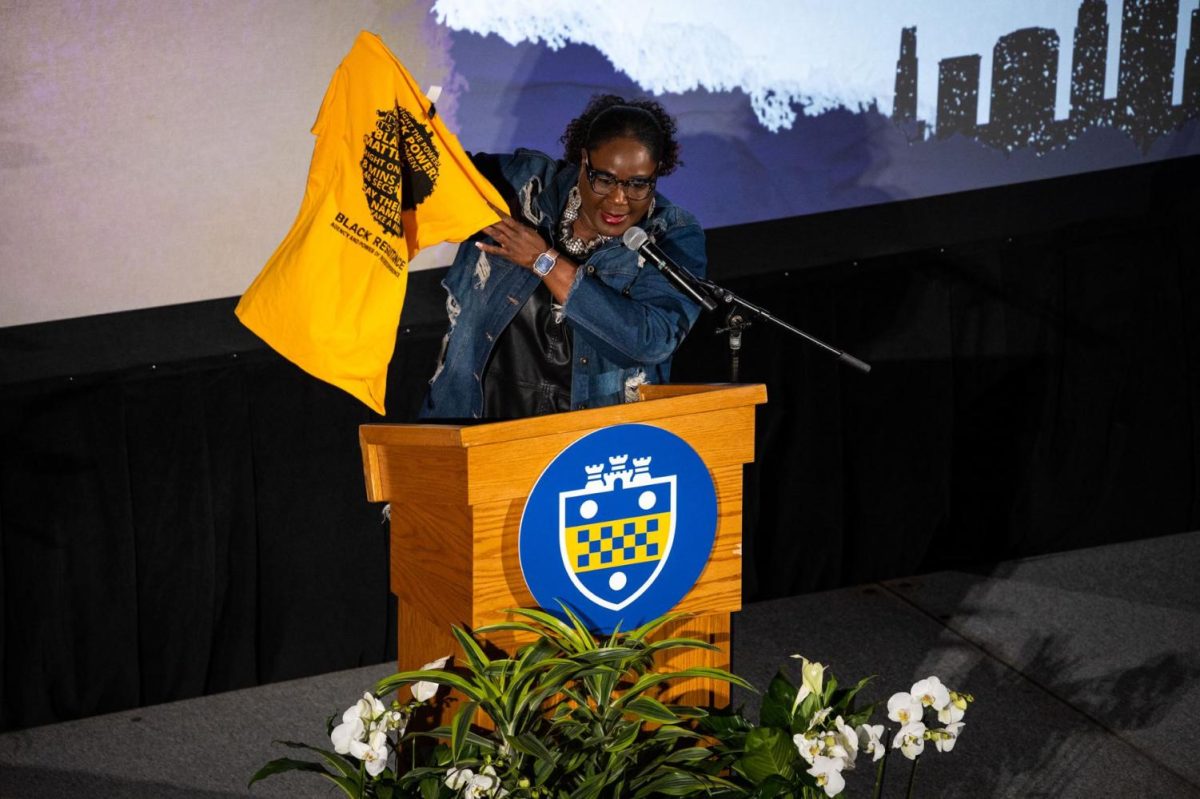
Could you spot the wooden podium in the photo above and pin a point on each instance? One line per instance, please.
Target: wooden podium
(457, 494)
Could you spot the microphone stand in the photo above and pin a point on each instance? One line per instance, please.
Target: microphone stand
(736, 322)
(704, 291)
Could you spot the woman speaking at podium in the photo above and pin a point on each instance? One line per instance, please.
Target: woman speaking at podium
(549, 311)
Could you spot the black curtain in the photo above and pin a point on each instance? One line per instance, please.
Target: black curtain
(174, 531)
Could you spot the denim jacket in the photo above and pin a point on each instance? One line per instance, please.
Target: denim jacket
(626, 319)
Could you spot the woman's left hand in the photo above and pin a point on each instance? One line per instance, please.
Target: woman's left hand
(518, 243)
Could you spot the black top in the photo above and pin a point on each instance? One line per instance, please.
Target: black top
(529, 371)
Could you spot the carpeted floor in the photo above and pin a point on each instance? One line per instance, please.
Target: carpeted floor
(1084, 667)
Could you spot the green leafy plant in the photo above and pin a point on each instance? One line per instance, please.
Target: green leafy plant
(573, 716)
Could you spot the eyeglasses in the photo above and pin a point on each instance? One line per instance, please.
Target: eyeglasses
(606, 183)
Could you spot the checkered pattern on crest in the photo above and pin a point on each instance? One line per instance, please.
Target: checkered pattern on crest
(617, 542)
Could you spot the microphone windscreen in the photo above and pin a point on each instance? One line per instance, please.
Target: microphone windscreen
(634, 238)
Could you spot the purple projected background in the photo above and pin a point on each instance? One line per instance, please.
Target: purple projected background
(523, 94)
(170, 143)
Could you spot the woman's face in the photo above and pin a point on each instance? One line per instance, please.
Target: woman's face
(621, 159)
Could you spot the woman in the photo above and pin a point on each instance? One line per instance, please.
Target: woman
(549, 311)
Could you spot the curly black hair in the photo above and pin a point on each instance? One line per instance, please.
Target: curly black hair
(608, 116)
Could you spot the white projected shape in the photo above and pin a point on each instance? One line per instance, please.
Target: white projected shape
(785, 56)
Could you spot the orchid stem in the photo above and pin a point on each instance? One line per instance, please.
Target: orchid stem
(880, 771)
(912, 777)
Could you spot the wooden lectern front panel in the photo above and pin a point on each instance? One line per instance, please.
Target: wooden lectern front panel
(458, 493)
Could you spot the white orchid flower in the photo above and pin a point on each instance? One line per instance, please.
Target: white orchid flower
(812, 677)
(394, 721)
(484, 785)
(369, 709)
(355, 722)
(831, 746)
(809, 744)
(870, 740)
(931, 693)
(955, 710)
(950, 714)
(828, 772)
(424, 690)
(945, 738)
(904, 708)
(848, 740)
(458, 778)
(373, 752)
(910, 740)
(351, 729)
(819, 717)
(833, 750)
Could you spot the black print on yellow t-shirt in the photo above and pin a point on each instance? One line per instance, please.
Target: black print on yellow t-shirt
(399, 165)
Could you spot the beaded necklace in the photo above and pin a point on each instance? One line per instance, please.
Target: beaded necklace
(566, 228)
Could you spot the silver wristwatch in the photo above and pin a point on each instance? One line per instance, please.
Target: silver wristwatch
(545, 262)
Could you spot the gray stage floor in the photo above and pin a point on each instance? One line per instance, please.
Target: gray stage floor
(1084, 666)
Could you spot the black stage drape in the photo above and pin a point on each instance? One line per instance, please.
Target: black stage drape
(194, 530)
(182, 512)
(1026, 396)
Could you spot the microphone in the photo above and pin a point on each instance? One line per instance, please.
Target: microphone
(637, 240)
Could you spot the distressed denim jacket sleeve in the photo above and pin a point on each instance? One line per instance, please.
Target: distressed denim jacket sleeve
(638, 316)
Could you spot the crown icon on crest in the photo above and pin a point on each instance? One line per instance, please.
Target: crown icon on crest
(595, 475)
(618, 473)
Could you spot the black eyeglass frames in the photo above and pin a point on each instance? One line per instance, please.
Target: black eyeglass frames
(605, 182)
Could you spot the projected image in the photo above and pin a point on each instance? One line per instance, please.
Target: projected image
(784, 109)
(788, 109)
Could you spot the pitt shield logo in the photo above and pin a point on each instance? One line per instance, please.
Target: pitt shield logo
(619, 526)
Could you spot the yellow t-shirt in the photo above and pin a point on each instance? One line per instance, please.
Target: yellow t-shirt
(387, 179)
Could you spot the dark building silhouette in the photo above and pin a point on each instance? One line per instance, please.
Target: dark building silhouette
(1147, 67)
(1090, 56)
(1191, 71)
(958, 95)
(905, 108)
(1025, 77)
(1024, 82)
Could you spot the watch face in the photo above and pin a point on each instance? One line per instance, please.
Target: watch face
(543, 264)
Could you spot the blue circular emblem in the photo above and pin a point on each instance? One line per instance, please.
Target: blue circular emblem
(619, 526)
